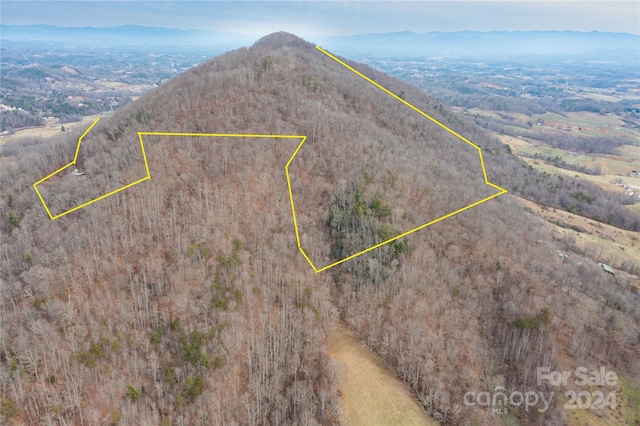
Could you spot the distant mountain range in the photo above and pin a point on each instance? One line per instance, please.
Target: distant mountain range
(399, 44)
(127, 35)
(493, 43)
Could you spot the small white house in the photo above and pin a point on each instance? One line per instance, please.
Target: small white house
(606, 268)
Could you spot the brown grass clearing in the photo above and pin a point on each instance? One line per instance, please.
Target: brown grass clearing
(511, 141)
(370, 393)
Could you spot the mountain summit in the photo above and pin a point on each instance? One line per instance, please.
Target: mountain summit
(280, 39)
(184, 298)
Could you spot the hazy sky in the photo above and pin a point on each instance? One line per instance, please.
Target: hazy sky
(306, 18)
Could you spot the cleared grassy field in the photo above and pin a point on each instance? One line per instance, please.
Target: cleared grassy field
(371, 395)
(606, 182)
(631, 396)
(629, 151)
(585, 94)
(49, 131)
(623, 415)
(514, 143)
(483, 113)
(580, 123)
(133, 88)
(578, 119)
(541, 150)
(625, 163)
(37, 132)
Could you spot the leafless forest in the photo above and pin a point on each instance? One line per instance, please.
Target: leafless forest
(184, 299)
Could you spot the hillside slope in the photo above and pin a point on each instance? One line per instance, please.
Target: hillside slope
(184, 299)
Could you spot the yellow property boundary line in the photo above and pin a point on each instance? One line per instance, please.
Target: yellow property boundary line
(75, 158)
(303, 139)
(427, 116)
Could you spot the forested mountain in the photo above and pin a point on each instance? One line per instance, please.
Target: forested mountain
(184, 299)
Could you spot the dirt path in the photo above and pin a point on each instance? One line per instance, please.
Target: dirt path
(370, 393)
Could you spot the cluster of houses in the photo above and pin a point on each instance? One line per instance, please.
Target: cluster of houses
(564, 256)
(632, 190)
